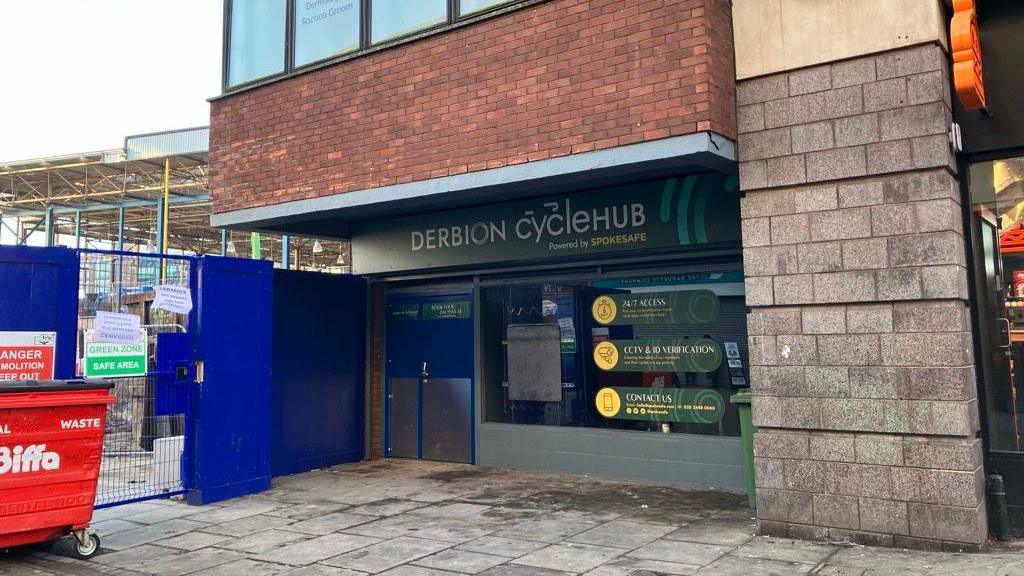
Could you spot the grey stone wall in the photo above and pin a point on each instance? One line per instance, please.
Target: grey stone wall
(860, 338)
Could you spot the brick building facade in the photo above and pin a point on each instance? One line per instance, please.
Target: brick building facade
(548, 80)
(510, 169)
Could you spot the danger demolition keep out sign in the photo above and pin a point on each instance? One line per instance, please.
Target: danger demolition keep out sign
(27, 355)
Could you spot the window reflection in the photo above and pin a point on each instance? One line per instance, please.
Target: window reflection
(257, 40)
(394, 18)
(325, 28)
(470, 6)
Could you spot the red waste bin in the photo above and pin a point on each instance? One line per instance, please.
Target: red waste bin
(51, 443)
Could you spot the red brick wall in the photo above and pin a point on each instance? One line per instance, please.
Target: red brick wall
(376, 387)
(562, 77)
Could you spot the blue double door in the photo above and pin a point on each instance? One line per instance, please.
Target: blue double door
(430, 357)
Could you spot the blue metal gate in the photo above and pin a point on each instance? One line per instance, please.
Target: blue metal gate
(178, 425)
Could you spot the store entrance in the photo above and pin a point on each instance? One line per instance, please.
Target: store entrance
(997, 234)
(429, 352)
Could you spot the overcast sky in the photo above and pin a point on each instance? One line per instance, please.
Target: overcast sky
(80, 75)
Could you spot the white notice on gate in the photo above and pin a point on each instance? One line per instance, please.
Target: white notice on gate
(116, 328)
(173, 298)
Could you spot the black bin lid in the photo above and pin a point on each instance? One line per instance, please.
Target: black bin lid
(54, 385)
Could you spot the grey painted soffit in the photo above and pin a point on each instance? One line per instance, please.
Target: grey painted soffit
(701, 150)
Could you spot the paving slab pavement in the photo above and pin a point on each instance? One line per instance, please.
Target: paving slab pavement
(408, 518)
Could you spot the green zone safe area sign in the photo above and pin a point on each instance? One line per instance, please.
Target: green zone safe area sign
(695, 406)
(658, 355)
(687, 306)
(106, 359)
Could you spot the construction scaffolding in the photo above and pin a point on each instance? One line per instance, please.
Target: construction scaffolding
(151, 196)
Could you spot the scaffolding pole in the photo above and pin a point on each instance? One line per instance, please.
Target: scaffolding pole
(49, 230)
(159, 227)
(120, 229)
(165, 208)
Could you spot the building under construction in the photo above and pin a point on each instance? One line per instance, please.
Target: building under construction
(152, 195)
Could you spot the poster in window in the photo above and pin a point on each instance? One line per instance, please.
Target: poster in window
(534, 362)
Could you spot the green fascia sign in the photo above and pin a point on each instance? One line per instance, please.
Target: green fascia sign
(638, 217)
(658, 355)
(404, 311)
(691, 405)
(105, 359)
(689, 306)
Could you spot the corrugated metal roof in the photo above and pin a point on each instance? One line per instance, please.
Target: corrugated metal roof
(170, 143)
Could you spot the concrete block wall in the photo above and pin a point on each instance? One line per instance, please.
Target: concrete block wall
(860, 339)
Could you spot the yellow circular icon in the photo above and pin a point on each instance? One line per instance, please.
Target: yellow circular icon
(608, 402)
(604, 309)
(606, 355)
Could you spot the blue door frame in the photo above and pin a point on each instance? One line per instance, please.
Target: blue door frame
(447, 344)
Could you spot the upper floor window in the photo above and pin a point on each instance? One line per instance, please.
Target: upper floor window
(325, 28)
(256, 38)
(393, 18)
(471, 6)
(270, 37)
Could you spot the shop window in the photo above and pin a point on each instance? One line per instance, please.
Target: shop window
(471, 6)
(997, 231)
(659, 354)
(325, 28)
(256, 40)
(393, 18)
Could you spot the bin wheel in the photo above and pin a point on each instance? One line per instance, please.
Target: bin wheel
(85, 547)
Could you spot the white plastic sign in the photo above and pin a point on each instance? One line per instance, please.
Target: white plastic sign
(732, 350)
(27, 355)
(108, 360)
(116, 328)
(173, 298)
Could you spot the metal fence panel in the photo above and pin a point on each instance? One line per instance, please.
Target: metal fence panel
(146, 426)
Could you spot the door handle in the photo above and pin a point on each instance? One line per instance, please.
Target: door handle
(423, 370)
(1008, 347)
